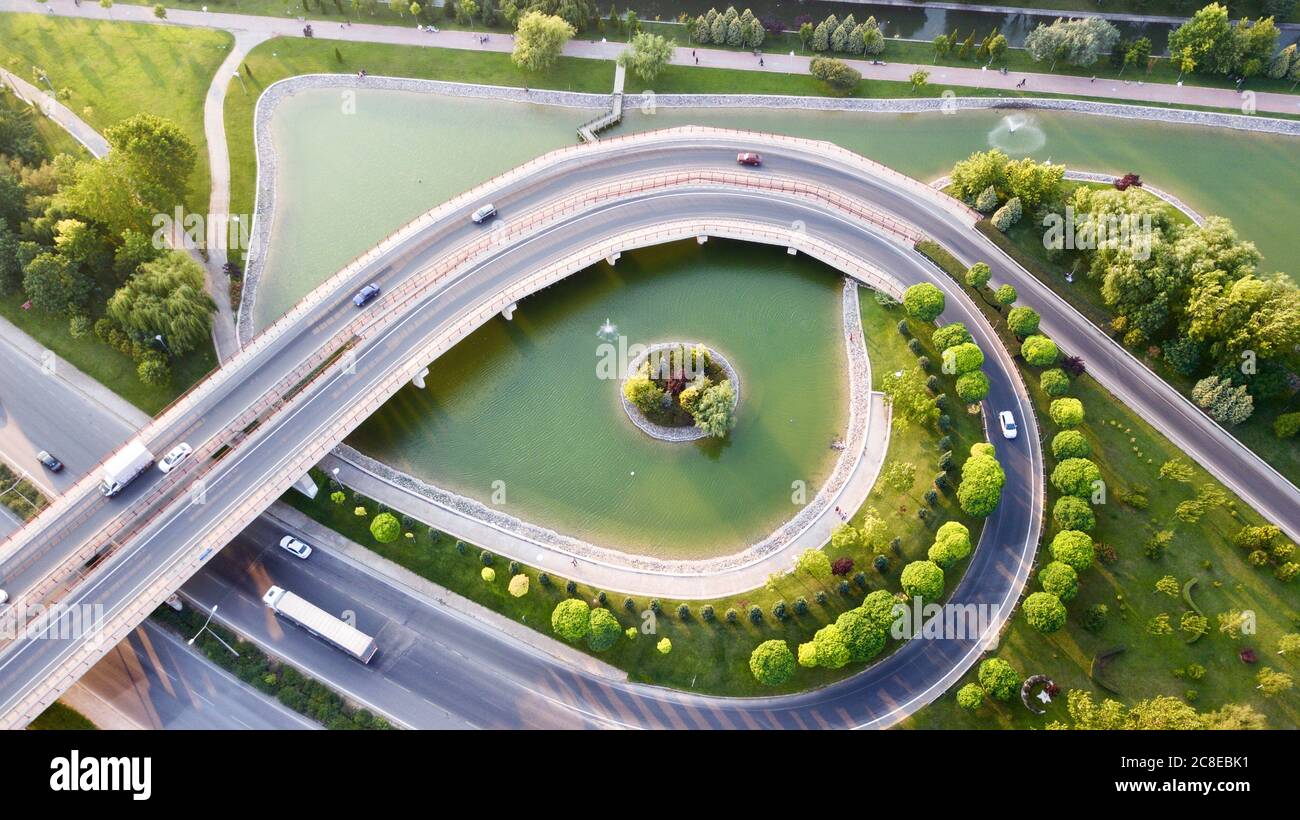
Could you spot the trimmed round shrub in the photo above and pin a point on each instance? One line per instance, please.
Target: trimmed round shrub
(970, 697)
(999, 679)
(518, 586)
(603, 631)
(922, 578)
(1023, 321)
(664, 646)
(488, 574)
(772, 663)
(385, 528)
(1044, 612)
(923, 302)
(1005, 295)
(1074, 548)
(980, 490)
(1074, 513)
(1040, 351)
(964, 358)
(879, 609)
(1066, 412)
(972, 387)
(571, 619)
(942, 553)
(862, 635)
(1070, 444)
(1054, 382)
(1060, 579)
(950, 336)
(957, 536)
(978, 275)
(1076, 476)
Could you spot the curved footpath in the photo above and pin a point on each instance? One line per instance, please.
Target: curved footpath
(325, 29)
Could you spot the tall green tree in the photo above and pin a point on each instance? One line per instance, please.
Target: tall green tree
(166, 297)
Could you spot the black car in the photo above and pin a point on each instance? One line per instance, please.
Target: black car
(51, 463)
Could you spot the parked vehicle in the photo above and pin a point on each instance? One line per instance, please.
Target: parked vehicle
(123, 468)
(483, 214)
(320, 623)
(364, 295)
(749, 158)
(295, 547)
(1008, 424)
(177, 454)
(50, 462)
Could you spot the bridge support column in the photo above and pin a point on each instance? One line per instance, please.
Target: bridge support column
(701, 239)
(613, 258)
(792, 250)
(418, 380)
(306, 486)
(509, 311)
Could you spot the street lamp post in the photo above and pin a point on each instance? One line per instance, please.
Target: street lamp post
(160, 340)
(204, 628)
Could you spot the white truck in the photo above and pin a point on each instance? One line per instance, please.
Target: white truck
(331, 630)
(123, 467)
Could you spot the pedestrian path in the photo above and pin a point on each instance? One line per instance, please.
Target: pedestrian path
(1224, 98)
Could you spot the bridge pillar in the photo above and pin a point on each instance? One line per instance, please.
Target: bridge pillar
(306, 486)
(418, 381)
(509, 311)
(792, 250)
(701, 239)
(613, 258)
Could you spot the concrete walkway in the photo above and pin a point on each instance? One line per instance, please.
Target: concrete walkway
(57, 112)
(711, 58)
(214, 131)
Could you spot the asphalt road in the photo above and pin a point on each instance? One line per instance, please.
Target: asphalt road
(994, 577)
(158, 682)
(440, 668)
(41, 410)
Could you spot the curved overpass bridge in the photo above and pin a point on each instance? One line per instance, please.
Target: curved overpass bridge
(299, 388)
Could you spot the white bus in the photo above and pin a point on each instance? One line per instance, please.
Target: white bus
(321, 624)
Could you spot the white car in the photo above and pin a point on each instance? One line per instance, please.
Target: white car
(178, 454)
(1008, 423)
(484, 213)
(295, 547)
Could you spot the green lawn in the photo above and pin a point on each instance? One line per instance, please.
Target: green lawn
(115, 70)
(59, 716)
(1129, 453)
(18, 494)
(706, 657)
(1024, 243)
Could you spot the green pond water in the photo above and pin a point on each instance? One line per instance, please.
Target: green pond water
(522, 402)
(519, 403)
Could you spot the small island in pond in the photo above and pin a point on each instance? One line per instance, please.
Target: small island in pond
(681, 392)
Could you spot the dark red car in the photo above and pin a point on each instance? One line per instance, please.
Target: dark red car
(749, 158)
